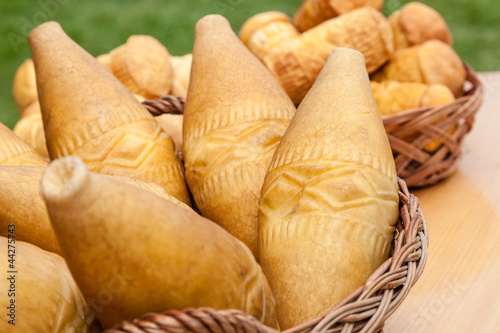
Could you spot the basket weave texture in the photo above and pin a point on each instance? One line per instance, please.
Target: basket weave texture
(365, 310)
(167, 104)
(448, 123)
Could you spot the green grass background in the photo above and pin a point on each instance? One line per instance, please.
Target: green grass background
(99, 26)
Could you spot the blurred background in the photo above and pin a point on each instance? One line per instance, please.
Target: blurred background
(99, 26)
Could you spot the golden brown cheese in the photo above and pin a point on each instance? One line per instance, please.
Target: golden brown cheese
(46, 298)
(329, 201)
(296, 59)
(88, 113)
(313, 12)
(234, 117)
(430, 62)
(156, 253)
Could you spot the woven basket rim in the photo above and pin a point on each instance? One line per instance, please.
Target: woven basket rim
(447, 124)
(364, 310)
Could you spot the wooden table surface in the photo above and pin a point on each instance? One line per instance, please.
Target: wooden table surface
(459, 290)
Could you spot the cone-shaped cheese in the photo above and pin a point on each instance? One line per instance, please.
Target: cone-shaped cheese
(22, 205)
(147, 186)
(416, 23)
(329, 201)
(14, 151)
(172, 125)
(46, 297)
(234, 117)
(24, 85)
(87, 112)
(430, 62)
(143, 65)
(182, 72)
(147, 253)
(30, 129)
(313, 12)
(296, 61)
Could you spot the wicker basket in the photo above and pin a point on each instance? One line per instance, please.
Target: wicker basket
(414, 164)
(365, 310)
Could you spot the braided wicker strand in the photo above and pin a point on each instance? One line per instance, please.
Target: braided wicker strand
(201, 320)
(365, 310)
(165, 104)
